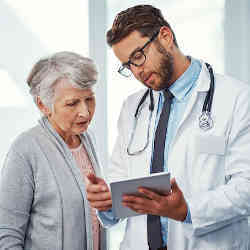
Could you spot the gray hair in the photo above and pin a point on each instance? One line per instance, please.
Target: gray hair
(80, 71)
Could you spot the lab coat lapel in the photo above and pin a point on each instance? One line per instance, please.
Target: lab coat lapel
(202, 85)
(141, 162)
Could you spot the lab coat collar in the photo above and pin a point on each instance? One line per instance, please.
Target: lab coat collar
(203, 82)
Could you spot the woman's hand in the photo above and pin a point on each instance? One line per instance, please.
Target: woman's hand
(98, 193)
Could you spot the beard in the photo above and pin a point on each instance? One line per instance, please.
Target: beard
(166, 67)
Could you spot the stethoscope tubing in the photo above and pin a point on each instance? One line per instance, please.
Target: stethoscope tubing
(207, 106)
(206, 112)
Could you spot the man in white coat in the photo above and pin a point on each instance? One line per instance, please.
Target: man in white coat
(210, 165)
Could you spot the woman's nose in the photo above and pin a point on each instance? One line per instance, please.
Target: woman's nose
(83, 110)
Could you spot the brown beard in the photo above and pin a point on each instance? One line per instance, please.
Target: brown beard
(166, 67)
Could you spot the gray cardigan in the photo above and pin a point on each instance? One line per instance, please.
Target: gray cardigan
(43, 203)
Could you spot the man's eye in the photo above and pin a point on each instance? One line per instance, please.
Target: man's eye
(127, 65)
(138, 55)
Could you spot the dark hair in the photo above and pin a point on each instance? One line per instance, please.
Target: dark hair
(145, 19)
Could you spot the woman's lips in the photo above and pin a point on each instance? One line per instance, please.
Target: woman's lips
(83, 123)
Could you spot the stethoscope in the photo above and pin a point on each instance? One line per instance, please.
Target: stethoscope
(205, 120)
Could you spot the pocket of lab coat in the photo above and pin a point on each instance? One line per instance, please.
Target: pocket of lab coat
(211, 144)
(209, 162)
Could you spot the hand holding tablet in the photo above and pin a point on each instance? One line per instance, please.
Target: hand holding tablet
(159, 183)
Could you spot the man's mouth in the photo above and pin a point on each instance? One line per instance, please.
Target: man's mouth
(147, 78)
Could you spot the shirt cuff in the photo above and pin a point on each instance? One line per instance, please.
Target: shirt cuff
(107, 218)
(188, 219)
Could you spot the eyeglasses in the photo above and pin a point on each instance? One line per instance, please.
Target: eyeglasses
(137, 58)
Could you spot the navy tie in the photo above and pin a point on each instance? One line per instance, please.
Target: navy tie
(153, 221)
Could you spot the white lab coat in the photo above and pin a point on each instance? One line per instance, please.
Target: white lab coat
(211, 168)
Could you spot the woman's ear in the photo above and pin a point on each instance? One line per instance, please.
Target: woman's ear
(43, 108)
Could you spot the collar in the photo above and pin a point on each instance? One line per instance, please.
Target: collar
(202, 84)
(182, 87)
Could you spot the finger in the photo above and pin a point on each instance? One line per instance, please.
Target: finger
(99, 196)
(94, 179)
(142, 212)
(102, 209)
(166, 193)
(138, 202)
(101, 204)
(150, 194)
(174, 185)
(135, 207)
(97, 188)
(134, 199)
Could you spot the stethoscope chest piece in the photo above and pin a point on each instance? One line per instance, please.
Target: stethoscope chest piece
(205, 121)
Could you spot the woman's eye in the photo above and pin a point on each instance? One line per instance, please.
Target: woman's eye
(89, 99)
(71, 104)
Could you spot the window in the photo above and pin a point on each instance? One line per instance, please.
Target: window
(30, 30)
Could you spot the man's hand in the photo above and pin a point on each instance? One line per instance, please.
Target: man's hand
(98, 193)
(172, 205)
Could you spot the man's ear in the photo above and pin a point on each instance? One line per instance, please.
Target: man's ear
(166, 37)
(43, 108)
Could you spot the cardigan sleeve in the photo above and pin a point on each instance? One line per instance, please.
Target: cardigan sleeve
(16, 196)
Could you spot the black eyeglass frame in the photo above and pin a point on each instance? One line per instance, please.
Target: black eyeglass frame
(127, 64)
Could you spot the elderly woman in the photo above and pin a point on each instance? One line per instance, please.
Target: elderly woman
(43, 202)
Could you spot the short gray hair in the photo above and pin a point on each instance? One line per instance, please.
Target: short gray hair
(80, 71)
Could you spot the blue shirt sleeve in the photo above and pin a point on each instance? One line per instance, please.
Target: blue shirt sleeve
(107, 218)
(188, 219)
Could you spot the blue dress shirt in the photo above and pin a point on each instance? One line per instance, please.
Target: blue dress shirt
(181, 89)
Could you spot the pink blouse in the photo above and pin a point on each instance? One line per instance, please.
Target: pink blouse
(81, 156)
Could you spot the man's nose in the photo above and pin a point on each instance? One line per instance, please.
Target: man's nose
(137, 71)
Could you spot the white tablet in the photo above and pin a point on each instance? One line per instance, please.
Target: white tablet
(159, 182)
